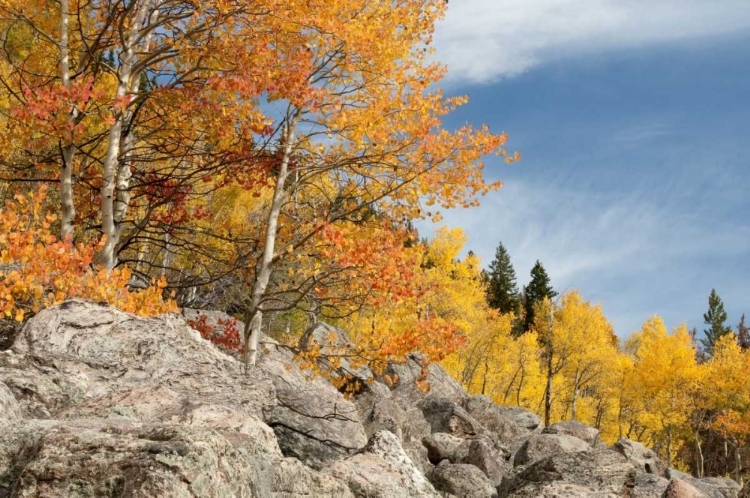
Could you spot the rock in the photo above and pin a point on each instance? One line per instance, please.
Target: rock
(119, 457)
(522, 417)
(81, 350)
(461, 480)
(127, 403)
(291, 479)
(379, 411)
(10, 411)
(508, 423)
(483, 454)
(576, 429)
(311, 419)
(716, 487)
(540, 446)
(679, 488)
(382, 470)
(406, 392)
(648, 485)
(644, 459)
(672, 473)
(600, 473)
(444, 415)
(441, 446)
(334, 341)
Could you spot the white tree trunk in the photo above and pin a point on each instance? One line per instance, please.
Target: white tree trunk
(67, 206)
(113, 169)
(265, 265)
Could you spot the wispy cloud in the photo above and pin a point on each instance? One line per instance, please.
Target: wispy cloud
(484, 40)
(607, 247)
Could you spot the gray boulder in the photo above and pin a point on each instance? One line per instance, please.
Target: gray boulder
(444, 415)
(382, 470)
(334, 341)
(406, 392)
(672, 473)
(540, 446)
(648, 485)
(679, 488)
(485, 455)
(576, 429)
(716, 487)
(644, 459)
(461, 480)
(597, 473)
(508, 423)
(441, 446)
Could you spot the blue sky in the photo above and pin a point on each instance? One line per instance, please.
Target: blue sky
(633, 119)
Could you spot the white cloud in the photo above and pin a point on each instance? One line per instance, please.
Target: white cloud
(483, 40)
(628, 252)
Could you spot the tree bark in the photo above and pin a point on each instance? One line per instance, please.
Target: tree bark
(265, 265)
(67, 206)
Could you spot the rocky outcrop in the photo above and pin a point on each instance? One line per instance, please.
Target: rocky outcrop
(461, 480)
(679, 488)
(539, 446)
(576, 429)
(382, 470)
(600, 473)
(95, 402)
(644, 459)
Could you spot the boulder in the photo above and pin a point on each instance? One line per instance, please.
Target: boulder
(382, 470)
(444, 415)
(644, 459)
(461, 480)
(408, 394)
(334, 341)
(441, 446)
(648, 485)
(540, 446)
(716, 487)
(600, 473)
(312, 420)
(90, 457)
(672, 473)
(379, 411)
(10, 411)
(485, 455)
(576, 429)
(679, 488)
(508, 423)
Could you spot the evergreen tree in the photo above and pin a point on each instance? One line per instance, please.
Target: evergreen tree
(502, 291)
(715, 318)
(536, 291)
(743, 334)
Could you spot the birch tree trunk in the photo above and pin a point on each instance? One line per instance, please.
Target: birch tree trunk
(67, 206)
(265, 265)
(111, 226)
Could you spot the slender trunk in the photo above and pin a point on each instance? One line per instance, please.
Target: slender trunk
(111, 166)
(484, 377)
(67, 206)
(520, 387)
(699, 462)
(575, 397)
(737, 462)
(265, 265)
(669, 446)
(548, 391)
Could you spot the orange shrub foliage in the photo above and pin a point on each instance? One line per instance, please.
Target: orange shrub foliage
(37, 270)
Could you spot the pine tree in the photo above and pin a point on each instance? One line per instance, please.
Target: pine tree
(502, 291)
(536, 291)
(715, 318)
(743, 334)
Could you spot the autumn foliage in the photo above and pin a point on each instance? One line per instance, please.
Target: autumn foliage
(40, 270)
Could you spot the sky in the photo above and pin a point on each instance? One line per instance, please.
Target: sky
(633, 121)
